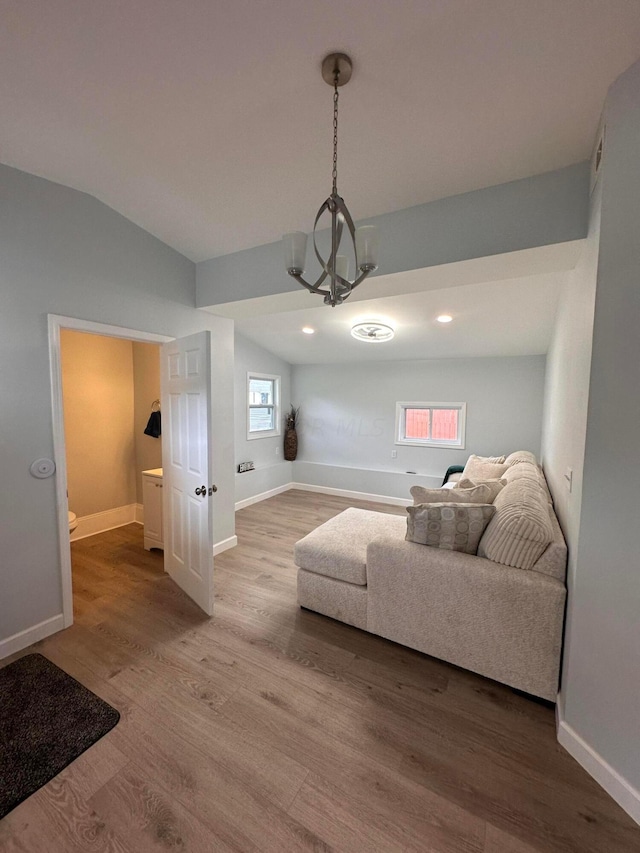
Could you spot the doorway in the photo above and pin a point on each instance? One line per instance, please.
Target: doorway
(56, 325)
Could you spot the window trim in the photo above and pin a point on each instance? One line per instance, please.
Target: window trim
(400, 438)
(271, 433)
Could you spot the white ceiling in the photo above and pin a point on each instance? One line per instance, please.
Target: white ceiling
(497, 318)
(208, 124)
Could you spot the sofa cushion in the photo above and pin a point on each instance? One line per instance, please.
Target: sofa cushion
(520, 531)
(520, 456)
(525, 470)
(451, 526)
(478, 468)
(338, 548)
(480, 493)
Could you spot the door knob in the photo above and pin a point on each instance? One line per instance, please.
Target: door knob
(212, 489)
(201, 491)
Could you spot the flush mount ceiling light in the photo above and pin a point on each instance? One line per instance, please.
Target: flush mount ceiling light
(336, 71)
(372, 332)
(444, 318)
(308, 330)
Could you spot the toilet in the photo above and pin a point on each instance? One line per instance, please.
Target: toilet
(73, 522)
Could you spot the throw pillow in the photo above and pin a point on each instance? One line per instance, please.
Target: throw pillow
(474, 494)
(477, 468)
(453, 527)
(494, 486)
(521, 529)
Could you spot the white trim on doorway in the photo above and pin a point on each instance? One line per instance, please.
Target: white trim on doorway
(56, 323)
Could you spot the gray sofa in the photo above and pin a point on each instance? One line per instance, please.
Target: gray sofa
(492, 618)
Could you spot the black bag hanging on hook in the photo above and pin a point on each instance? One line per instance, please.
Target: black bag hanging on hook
(154, 423)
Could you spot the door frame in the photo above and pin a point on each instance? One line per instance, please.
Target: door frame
(56, 323)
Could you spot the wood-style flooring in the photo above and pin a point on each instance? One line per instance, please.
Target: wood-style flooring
(270, 728)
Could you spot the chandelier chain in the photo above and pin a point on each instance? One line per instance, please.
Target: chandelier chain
(335, 134)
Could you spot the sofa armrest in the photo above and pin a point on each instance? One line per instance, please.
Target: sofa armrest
(502, 622)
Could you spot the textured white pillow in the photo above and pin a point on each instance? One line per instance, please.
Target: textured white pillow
(478, 468)
(476, 494)
(453, 527)
(495, 487)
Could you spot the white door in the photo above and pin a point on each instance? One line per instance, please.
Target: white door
(187, 466)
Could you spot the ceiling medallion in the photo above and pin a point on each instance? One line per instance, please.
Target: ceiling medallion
(372, 332)
(336, 71)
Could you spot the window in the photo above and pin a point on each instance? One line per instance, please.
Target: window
(431, 424)
(263, 405)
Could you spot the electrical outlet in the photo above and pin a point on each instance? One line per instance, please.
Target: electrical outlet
(394, 454)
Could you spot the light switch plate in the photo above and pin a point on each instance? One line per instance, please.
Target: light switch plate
(569, 478)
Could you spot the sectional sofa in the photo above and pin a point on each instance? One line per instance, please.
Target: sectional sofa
(498, 612)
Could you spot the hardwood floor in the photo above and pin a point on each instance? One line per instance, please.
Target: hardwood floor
(269, 728)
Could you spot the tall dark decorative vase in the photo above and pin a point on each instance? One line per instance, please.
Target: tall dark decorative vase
(290, 445)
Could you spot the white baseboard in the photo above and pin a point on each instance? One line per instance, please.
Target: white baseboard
(323, 490)
(25, 638)
(224, 545)
(254, 499)
(99, 522)
(613, 783)
(345, 493)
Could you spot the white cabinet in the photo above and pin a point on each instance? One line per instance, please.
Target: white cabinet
(152, 499)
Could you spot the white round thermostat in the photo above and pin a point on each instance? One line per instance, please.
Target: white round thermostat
(42, 468)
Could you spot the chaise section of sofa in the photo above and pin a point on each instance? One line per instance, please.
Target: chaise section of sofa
(332, 578)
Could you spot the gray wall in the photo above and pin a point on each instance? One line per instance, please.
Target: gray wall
(63, 252)
(271, 470)
(348, 417)
(601, 684)
(536, 211)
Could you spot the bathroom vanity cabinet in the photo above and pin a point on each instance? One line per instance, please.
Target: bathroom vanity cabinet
(152, 499)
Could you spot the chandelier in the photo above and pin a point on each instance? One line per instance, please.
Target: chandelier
(336, 71)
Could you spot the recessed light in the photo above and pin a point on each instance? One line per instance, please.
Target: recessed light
(372, 332)
(444, 318)
(308, 330)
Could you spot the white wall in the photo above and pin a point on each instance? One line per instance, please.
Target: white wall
(348, 417)
(64, 252)
(601, 683)
(564, 426)
(271, 470)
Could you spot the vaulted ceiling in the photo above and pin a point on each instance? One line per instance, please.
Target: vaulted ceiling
(208, 124)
